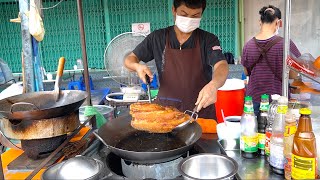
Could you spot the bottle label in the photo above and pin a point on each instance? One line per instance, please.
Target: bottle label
(290, 130)
(267, 144)
(276, 156)
(264, 106)
(282, 109)
(287, 168)
(248, 108)
(249, 143)
(262, 140)
(303, 168)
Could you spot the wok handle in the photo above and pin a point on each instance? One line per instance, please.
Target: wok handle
(22, 103)
(62, 61)
(193, 114)
(147, 79)
(95, 132)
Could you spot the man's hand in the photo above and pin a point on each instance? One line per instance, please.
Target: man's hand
(132, 63)
(207, 96)
(143, 70)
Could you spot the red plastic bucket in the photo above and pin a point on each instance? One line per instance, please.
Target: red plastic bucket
(230, 98)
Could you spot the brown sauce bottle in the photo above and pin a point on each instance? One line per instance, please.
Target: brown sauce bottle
(304, 151)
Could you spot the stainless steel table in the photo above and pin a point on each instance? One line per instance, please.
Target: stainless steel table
(257, 168)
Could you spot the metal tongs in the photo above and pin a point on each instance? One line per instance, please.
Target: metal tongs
(193, 117)
(148, 87)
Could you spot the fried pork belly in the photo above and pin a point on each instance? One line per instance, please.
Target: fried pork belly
(155, 118)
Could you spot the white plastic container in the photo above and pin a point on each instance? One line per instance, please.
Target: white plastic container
(230, 129)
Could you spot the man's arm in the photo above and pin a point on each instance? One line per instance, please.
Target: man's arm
(132, 63)
(208, 94)
(220, 73)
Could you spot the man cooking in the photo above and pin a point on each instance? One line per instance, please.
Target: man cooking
(190, 62)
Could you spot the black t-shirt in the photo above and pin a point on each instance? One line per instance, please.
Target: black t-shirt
(153, 47)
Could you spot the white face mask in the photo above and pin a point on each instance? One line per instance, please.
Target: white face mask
(277, 29)
(186, 24)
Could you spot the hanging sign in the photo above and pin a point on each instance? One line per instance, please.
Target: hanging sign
(143, 28)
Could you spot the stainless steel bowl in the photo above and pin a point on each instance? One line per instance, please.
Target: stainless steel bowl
(79, 167)
(208, 166)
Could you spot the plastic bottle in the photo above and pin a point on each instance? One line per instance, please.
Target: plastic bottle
(262, 123)
(304, 151)
(290, 130)
(276, 141)
(249, 131)
(271, 114)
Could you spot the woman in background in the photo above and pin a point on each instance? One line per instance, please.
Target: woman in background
(263, 55)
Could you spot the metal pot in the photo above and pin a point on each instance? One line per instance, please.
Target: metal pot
(39, 129)
(208, 166)
(79, 167)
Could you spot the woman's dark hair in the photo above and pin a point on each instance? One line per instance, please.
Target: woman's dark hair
(269, 13)
(193, 4)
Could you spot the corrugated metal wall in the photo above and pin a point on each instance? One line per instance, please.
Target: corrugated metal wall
(104, 19)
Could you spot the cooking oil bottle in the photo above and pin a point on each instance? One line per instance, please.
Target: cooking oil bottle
(262, 122)
(276, 142)
(290, 130)
(304, 151)
(249, 130)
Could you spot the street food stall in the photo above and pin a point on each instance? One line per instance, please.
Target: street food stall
(54, 143)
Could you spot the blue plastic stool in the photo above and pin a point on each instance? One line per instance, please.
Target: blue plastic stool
(83, 84)
(75, 85)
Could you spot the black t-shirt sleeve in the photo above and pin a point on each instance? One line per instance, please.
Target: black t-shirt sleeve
(214, 50)
(144, 50)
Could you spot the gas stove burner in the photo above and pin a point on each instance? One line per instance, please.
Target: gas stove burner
(41, 148)
(166, 170)
(123, 169)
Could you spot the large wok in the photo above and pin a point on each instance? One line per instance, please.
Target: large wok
(41, 105)
(44, 104)
(143, 147)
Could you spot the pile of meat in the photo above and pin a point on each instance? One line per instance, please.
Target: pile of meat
(156, 118)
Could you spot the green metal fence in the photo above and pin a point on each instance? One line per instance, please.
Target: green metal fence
(220, 18)
(10, 36)
(63, 38)
(104, 19)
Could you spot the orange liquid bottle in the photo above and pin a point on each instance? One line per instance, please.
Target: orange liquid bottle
(304, 151)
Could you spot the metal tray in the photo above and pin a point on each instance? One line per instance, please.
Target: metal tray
(257, 168)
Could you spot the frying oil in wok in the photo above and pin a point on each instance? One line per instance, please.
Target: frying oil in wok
(150, 142)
